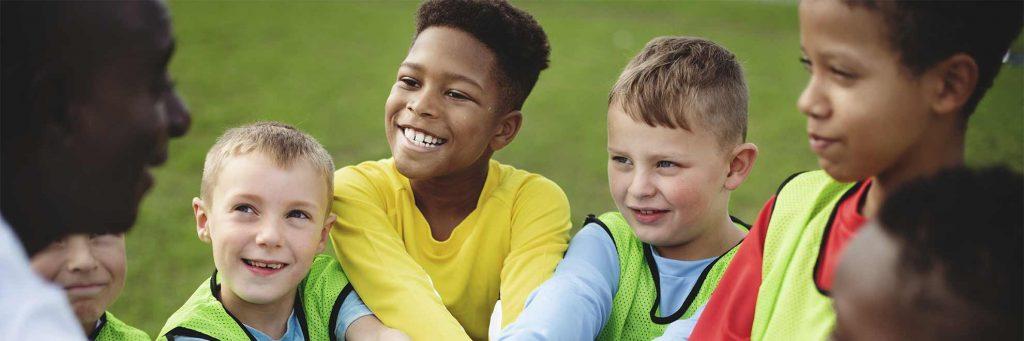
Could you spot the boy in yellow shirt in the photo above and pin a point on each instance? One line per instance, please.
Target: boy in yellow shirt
(434, 236)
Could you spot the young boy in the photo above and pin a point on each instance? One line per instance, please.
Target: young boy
(264, 205)
(677, 120)
(892, 85)
(941, 261)
(91, 270)
(435, 235)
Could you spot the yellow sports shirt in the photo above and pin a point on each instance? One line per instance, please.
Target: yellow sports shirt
(504, 249)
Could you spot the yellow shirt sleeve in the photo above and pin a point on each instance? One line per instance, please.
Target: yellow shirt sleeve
(540, 236)
(373, 255)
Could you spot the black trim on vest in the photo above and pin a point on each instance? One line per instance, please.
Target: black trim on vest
(300, 310)
(824, 237)
(741, 222)
(182, 331)
(333, 321)
(103, 323)
(694, 291)
(215, 290)
(593, 219)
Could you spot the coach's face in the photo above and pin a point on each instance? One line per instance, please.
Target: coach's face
(121, 124)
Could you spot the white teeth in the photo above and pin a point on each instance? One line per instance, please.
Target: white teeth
(264, 265)
(422, 139)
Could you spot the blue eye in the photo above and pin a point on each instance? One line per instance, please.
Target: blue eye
(622, 160)
(298, 214)
(244, 208)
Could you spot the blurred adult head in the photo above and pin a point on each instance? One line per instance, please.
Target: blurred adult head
(88, 108)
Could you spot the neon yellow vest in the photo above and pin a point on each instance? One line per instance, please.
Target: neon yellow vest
(635, 312)
(790, 306)
(112, 329)
(317, 303)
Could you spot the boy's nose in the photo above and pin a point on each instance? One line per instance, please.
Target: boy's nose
(80, 257)
(422, 105)
(641, 187)
(812, 101)
(178, 116)
(269, 235)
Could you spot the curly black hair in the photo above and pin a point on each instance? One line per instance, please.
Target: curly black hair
(927, 32)
(515, 38)
(964, 227)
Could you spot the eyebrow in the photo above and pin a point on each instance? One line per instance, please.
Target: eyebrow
(449, 75)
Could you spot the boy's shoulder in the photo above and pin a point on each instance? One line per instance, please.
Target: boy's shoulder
(202, 311)
(112, 328)
(521, 184)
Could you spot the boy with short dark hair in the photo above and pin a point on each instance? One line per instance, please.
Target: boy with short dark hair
(264, 207)
(677, 121)
(941, 261)
(432, 237)
(892, 86)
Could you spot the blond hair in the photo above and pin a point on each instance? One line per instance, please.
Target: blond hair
(280, 142)
(675, 81)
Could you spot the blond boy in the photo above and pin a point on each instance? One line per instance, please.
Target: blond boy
(677, 121)
(265, 208)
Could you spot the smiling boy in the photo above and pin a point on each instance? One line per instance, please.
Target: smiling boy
(91, 270)
(264, 206)
(677, 121)
(892, 85)
(432, 237)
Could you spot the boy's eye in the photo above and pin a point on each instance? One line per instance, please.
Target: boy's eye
(806, 62)
(457, 95)
(244, 208)
(409, 82)
(622, 159)
(842, 73)
(665, 164)
(298, 214)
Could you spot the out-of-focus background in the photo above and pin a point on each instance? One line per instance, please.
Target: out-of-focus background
(327, 68)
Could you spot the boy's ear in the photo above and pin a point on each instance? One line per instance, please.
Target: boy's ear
(743, 157)
(508, 127)
(202, 220)
(954, 82)
(326, 231)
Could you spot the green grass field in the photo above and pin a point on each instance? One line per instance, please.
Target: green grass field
(327, 67)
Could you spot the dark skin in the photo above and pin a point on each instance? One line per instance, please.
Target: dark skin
(106, 111)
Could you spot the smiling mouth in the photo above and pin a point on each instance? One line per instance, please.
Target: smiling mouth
(268, 265)
(421, 138)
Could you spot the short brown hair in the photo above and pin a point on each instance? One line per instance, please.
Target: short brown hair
(282, 143)
(675, 80)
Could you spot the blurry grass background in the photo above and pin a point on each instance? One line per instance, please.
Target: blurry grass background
(327, 68)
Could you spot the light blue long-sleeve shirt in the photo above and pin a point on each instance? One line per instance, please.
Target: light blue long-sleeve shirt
(352, 308)
(576, 302)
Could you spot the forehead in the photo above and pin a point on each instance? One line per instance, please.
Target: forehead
(831, 27)
(628, 135)
(448, 51)
(255, 172)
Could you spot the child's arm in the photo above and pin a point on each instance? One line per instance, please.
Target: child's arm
(540, 236)
(729, 314)
(391, 283)
(577, 301)
(369, 328)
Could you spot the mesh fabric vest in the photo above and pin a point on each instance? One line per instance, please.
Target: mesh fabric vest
(112, 329)
(635, 312)
(790, 306)
(317, 303)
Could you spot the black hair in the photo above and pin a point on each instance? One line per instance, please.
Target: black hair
(927, 32)
(964, 228)
(515, 38)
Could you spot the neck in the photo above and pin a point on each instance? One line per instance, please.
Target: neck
(458, 191)
(27, 209)
(270, 318)
(89, 327)
(945, 149)
(718, 236)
